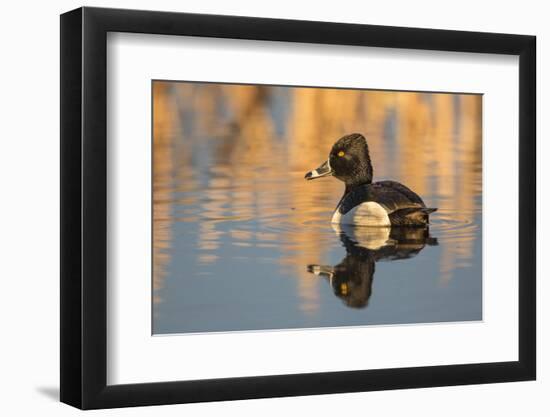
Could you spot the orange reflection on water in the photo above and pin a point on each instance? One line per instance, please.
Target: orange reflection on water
(165, 127)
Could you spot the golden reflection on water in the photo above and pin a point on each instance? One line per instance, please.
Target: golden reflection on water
(164, 127)
(236, 153)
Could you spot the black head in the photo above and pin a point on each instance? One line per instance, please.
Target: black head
(349, 161)
(351, 279)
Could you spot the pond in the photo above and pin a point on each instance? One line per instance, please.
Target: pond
(242, 242)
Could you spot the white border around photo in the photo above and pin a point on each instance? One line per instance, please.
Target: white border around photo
(135, 356)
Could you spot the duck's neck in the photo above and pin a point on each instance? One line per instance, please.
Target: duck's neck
(354, 185)
(362, 176)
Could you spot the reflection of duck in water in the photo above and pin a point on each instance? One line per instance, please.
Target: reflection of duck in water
(351, 279)
(383, 203)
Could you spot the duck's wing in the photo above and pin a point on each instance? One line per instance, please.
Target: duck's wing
(407, 197)
(408, 210)
(391, 195)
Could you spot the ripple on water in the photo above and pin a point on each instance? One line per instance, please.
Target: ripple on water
(303, 225)
(452, 226)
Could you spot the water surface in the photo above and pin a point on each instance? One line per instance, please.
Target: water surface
(243, 242)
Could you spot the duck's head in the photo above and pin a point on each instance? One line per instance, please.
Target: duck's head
(349, 161)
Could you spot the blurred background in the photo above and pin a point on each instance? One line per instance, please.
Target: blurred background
(235, 226)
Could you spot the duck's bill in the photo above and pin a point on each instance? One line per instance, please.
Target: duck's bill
(323, 270)
(322, 171)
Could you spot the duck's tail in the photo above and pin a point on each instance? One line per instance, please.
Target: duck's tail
(411, 216)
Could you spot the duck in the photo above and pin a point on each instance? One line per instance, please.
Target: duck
(367, 203)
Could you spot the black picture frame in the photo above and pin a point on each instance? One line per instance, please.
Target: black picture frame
(84, 207)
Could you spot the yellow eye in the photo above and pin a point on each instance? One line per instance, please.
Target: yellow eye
(344, 288)
(341, 153)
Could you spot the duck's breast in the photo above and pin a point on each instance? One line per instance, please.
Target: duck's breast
(368, 213)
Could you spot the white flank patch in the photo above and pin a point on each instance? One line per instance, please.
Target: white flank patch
(372, 238)
(365, 214)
